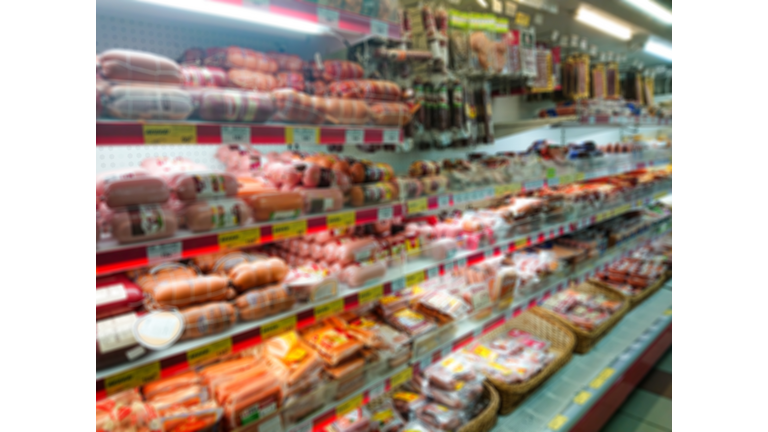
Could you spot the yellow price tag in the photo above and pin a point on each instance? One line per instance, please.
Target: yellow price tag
(500, 191)
(170, 134)
(349, 405)
(132, 378)
(414, 278)
(400, 378)
(600, 380)
(522, 19)
(302, 135)
(579, 176)
(515, 188)
(278, 327)
(209, 352)
(289, 229)
(582, 397)
(558, 422)
(251, 236)
(340, 220)
(370, 294)
(521, 243)
(566, 179)
(659, 195)
(329, 309)
(668, 312)
(417, 206)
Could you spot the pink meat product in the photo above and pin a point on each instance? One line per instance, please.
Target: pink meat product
(116, 295)
(202, 185)
(135, 191)
(235, 105)
(103, 179)
(129, 65)
(115, 343)
(196, 76)
(142, 223)
(439, 417)
(359, 250)
(322, 200)
(216, 214)
(148, 103)
(357, 276)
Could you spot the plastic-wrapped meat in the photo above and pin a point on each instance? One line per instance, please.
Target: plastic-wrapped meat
(448, 373)
(353, 421)
(439, 417)
(386, 418)
(407, 401)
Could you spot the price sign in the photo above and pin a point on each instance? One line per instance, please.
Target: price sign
(295, 135)
(209, 352)
(375, 392)
(522, 19)
(385, 213)
(391, 136)
(235, 134)
(566, 179)
(132, 378)
(460, 263)
(601, 378)
(354, 136)
(414, 279)
(349, 405)
(551, 173)
(289, 229)
(238, 239)
(170, 134)
(381, 29)
(340, 220)
(417, 206)
(329, 309)
(401, 378)
(579, 176)
(558, 422)
(433, 273)
(164, 252)
(328, 17)
(519, 244)
(278, 327)
(582, 397)
(371, 294)
(398, 284)
(443, 201)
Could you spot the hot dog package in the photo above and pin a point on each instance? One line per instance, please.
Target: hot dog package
(293, 360)
(262, 302)
(148, 103)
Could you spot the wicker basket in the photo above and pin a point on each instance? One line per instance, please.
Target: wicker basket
(483, 422)
(585, 340)
(638, 298)
(562, 342)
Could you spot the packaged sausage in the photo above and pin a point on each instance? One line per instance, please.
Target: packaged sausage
(170, 385)
(292, 80)
(369, 90)
(250, 80)
(208, 319)
(439, 417)
(344, 111)
(263, 302)
(445, 304)
(287, 62)
(143, 222)
(374, 193)
(192, 186)
(148, 103)
(297, 107)
(332, 342)
(356, 275)
(162, 273)
(353, 421)
(270, 206)
(434, 184)
(322, 200)
(236, 57)
(407, 401)
(368, 172)
(196, 76)
(216, 214)
(288, 355)
(249, 275)
(129, 65)
(252, 400)
(410, 322)
(115, 342)
(311, 283)
(116, 295)
(385, 418)
(180, 293)
(334, 70)
(203, 417)
(409, 188)
(235, 105)
(424, 168)
(390, 114)
(130, 189)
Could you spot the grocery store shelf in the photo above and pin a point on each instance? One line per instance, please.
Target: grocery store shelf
(112, 257)
(510, 128)
(245, 335)
(584, 393)
(615, 121)
(117, 132)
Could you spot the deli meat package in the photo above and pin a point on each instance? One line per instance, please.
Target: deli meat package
(129, 65)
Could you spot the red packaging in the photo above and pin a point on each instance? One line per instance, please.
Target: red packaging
(116, 295)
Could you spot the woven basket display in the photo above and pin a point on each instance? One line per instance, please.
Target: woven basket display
(585, 340)
(483, 422)
(638, 298)
(543, 327)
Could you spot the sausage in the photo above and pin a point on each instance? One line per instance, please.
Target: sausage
(248, 275)
(129, 65)
(135, 190)
(115, 342)
(144, 222)
(287, 62)
(357, 276)
(366, 172)
(441, 112)
(334, 70)
(195, 76)
(250, 80)
(424, 168)
(458, 119)
(216, 214)
(269, 206)
(235, 105)
(170, 385)
(359, 250)
(148, 103)
(116, 295)
(180, 293)
(434, 184)
(390, 114)
(442, 249)
(372, 193)
(378, 90)
(315, 176)
(322, 200)
(236, 57)
(344, 111)
(253, 400)
(208, 319)
(263, 302)
(410, 188)
(297, 107)
(195, 186)
(105, 178)
(292, 80)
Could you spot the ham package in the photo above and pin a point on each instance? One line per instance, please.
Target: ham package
(128, 65)
(116, 295)
(216, 214)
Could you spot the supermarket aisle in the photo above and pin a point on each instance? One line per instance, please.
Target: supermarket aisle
(649, 407)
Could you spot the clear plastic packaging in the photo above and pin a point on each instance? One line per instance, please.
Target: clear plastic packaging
(247, 275)
(208, 319)
(356, 420)
(369, 90)
(332, 342)
(407, 401)
(116, 295)
(311, 283)
(180, 293)
(410, 322)
(134, 187)
(203, 417)
(385, 418)
(115, 342)
(293, 359)
(130, 65)
(444, 306)
(142, 223)
(235, 105)
(263, 302)
(439, 417)
(140, 102)
(214, 214)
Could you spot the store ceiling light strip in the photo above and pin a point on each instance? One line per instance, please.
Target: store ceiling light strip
(653, 9)
(243, 14)
(603, 23)
(659, 49)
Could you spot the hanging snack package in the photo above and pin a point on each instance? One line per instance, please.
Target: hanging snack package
(481, 28)
(499, 50)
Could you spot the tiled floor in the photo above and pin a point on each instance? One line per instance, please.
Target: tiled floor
(649, 407)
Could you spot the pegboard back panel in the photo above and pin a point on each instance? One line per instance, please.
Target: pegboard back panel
(115, 157)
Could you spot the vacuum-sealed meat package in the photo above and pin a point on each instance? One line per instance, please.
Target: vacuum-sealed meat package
(129, 65)
(140, 102)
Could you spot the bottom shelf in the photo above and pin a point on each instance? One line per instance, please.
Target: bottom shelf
(584, 394)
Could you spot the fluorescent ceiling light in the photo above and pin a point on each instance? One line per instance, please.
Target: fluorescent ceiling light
(603, 23)
(653, 9)
(243, 14)
(659, 49)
